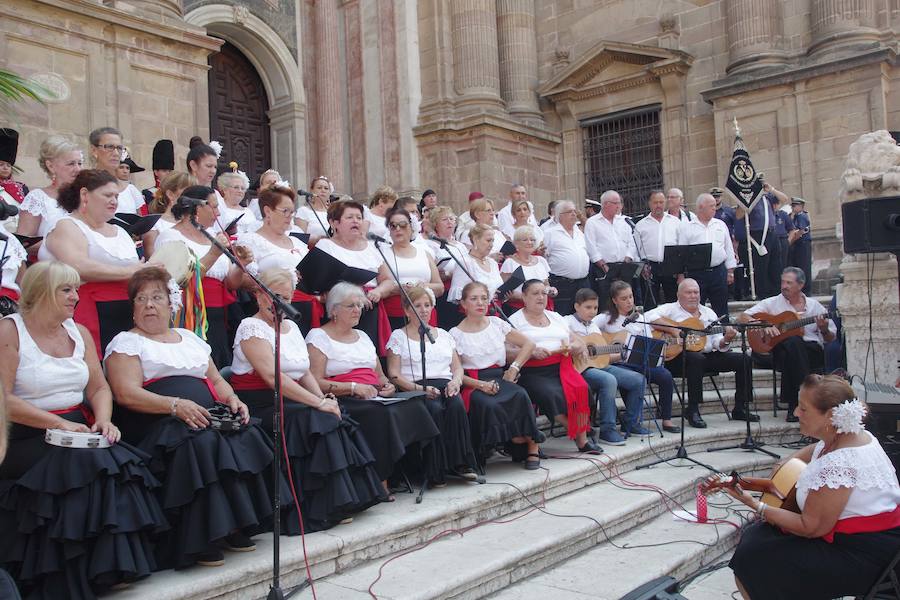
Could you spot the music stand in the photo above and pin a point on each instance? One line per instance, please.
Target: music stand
(642, 352)
(680, 259)
(625, 271)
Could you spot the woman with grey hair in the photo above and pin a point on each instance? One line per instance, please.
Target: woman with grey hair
(61, 160)
(344, 362)
(107, 152)
(331, 465)
(233, 185)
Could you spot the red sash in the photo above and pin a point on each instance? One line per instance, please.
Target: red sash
(209, 385)
(364, 376)
(216, 294)
(869, 524)
(247, 381)
(466, 391)
(384, 325)
(317, 310)
(393, 306)
(89, 294)
(575, 389)
(8, 293)
(88, 415)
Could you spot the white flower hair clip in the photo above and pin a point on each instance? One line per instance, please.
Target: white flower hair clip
(124, 154)
(847, 417)
(217, 148)
(174, 294)
(282, 184)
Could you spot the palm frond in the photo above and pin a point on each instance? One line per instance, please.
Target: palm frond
(15, 89)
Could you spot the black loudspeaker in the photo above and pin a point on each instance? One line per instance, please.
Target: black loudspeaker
(871, 225)
(661, 588)
(883, 422)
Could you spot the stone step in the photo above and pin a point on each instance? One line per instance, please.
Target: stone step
(387, 529)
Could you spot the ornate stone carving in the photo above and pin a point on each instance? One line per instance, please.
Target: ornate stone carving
(241, 13)
(668, 23)
(55, 84)
(872, 168)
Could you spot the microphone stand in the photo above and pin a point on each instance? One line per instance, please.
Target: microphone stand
(312, 208)
(749, 444)
(424, 331)
(281, 309)
(683, 333)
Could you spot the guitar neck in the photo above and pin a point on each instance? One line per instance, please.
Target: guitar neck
(803, 322)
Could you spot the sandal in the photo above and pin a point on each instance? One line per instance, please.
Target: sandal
(532, 464)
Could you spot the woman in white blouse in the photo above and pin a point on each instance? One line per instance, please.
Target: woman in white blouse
(479, 264)
(312, 216)
(331, 466)
(500, 411)
(444, 375)
(482, 213)
(445, 249)
(219, 277)
(104, 255)
(344, 363)
(61, 160)
(214, 484)
(521, 213)
(559, 390)
(170, 189)
(533, 267)
(848, 527)
(412, 264)
(233, 186)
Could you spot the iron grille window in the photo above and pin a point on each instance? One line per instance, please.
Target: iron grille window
(623, 152)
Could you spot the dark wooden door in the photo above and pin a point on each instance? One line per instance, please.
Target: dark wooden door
(238, 108)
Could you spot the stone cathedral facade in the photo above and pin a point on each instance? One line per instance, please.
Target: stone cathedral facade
(569, 97)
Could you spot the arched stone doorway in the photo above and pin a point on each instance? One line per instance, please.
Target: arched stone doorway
(238, 111)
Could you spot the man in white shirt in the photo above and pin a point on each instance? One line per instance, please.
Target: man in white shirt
(715, 356)
(796, 357)
(505, 218)
(715, 279)
(675, 205)
(652, 234)
(565, 249)
(609, 241)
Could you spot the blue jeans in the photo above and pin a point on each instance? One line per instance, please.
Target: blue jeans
(603, 383)
(661, 377)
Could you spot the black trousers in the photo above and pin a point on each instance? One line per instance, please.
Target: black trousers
(698, 364)
(662, 288)
(713, 287)
(796, 359)
(777, 262)
(564, 303)
(801, 257)
(760, 263)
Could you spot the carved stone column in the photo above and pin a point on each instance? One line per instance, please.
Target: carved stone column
(329, 98)
(154, 9)
(517, 45)
(837, 23)
(755, 34)
(476, 68)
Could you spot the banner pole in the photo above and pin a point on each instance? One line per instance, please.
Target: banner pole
(750, 255)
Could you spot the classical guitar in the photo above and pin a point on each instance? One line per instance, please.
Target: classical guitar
(779, 491)
(600, 349)
(789, 323)
(695, 341)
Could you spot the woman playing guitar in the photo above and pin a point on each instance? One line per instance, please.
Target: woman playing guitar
(848, 527)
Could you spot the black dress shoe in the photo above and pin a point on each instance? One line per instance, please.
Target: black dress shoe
(672, 428)
(792, 418)
(696, 420)
(591, 447)
(741, 414)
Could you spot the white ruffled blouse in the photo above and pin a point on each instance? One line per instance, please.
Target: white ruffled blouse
(188, 357)
(39, 204)
(343, 357)
(268, 255)
(218, 270)
(294, 355)
(118, 250)
(438, 356)
(483, 348)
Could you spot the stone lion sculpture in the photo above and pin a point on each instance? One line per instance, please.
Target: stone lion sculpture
(872, 168)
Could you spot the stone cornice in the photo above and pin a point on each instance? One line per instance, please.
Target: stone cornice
(574, 82)
(180, 32)
(749, 82)
(465, 124)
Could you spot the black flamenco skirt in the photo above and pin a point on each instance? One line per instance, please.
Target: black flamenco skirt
(399, 431)
(454, 447)
(495, 419)
(332, 468)
(217, 335)
(545, 388)
(448, 313)
(780, 566)
(77, 521)
(212, 483)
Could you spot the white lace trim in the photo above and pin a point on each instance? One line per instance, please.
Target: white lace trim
(190, 354)
(294, 355)
(861, 467)
(343, 357)
(36, 202)
(483, 343)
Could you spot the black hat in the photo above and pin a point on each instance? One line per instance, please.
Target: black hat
(592, 203)
(133, 166)
(9, 145)
(164, 155)
(796, 200)
(715, 192)
(135, 224)
(428, 193)
(320, 271)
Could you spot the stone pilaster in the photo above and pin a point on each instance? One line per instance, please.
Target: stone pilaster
(476, 68)
(755, 34)
(517, 46)
(159, 10)
(854, 302)
(329, 96)
(839, 23)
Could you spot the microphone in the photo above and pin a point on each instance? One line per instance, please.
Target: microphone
(439, 240)
(304, 193)
(376, 238)
(333, 197)
(724, 318)
(7, 210)
(633, 317)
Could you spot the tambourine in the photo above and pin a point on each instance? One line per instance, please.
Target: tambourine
(222, 419)
(75, 439)
(176, 258)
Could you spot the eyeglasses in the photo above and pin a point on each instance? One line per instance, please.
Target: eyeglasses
(284, 211)
(352, 305)
(155, 299)
(110, 147)
(532, 240)
(237, 188)
(397, 225)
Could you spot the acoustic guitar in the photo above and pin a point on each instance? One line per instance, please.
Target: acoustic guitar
(789, 323)
(600, 350)
(695, 341)
(779, 491)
